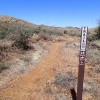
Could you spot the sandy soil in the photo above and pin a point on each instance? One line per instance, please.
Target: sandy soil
(43, 83)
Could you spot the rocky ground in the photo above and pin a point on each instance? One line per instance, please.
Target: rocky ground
(20, 63)
(54, 76)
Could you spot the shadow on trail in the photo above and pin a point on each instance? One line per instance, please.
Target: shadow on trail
(73, 93)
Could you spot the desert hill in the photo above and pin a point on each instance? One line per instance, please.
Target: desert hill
(7, 21)
(12, 20)
(10, 26)
(39, 62)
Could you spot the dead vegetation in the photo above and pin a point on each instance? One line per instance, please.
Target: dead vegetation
(23, 44)
(44, 37)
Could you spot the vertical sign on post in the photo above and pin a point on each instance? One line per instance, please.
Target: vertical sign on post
(84, 32)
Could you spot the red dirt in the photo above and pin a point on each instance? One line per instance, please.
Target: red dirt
(31, 85)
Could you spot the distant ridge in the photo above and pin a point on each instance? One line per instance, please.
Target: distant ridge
(13, 20)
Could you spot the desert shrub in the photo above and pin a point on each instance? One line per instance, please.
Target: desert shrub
(91, 37)
(39, 30)
(65, 32)
(36, 31)
(89, 33)
(77, 35)
(22, 39)
(44, 30)
(74, 34)
(3, 34)
(20, 35)
(71, 33)
(60, 33)
(97, 30)
(3, 67)
(22, 43)
(14, 32)
(4, 49)
(44, 37)
(54, 32)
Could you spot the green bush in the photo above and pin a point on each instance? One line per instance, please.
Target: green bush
(22, 42)
(3, 34)
(91, 37)
(21, 38)
(96, 36)
(65, 32)
(97, 30)
(75, 34)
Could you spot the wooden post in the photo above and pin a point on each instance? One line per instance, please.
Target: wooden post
(84, 31)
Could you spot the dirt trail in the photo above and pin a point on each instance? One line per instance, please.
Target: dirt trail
(31, 86)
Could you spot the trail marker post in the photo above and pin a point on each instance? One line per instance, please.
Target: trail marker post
(84, 31)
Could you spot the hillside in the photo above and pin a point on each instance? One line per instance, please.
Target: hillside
(14, 24)
(12, 21)
(39, 62)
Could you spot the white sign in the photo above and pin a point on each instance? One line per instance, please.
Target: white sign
(83, 45)
(83, 39)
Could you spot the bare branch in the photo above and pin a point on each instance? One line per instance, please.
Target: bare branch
(98, 21)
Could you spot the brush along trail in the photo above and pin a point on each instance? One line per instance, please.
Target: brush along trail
(44, 81)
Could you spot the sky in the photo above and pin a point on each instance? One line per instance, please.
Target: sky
(58, 13)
